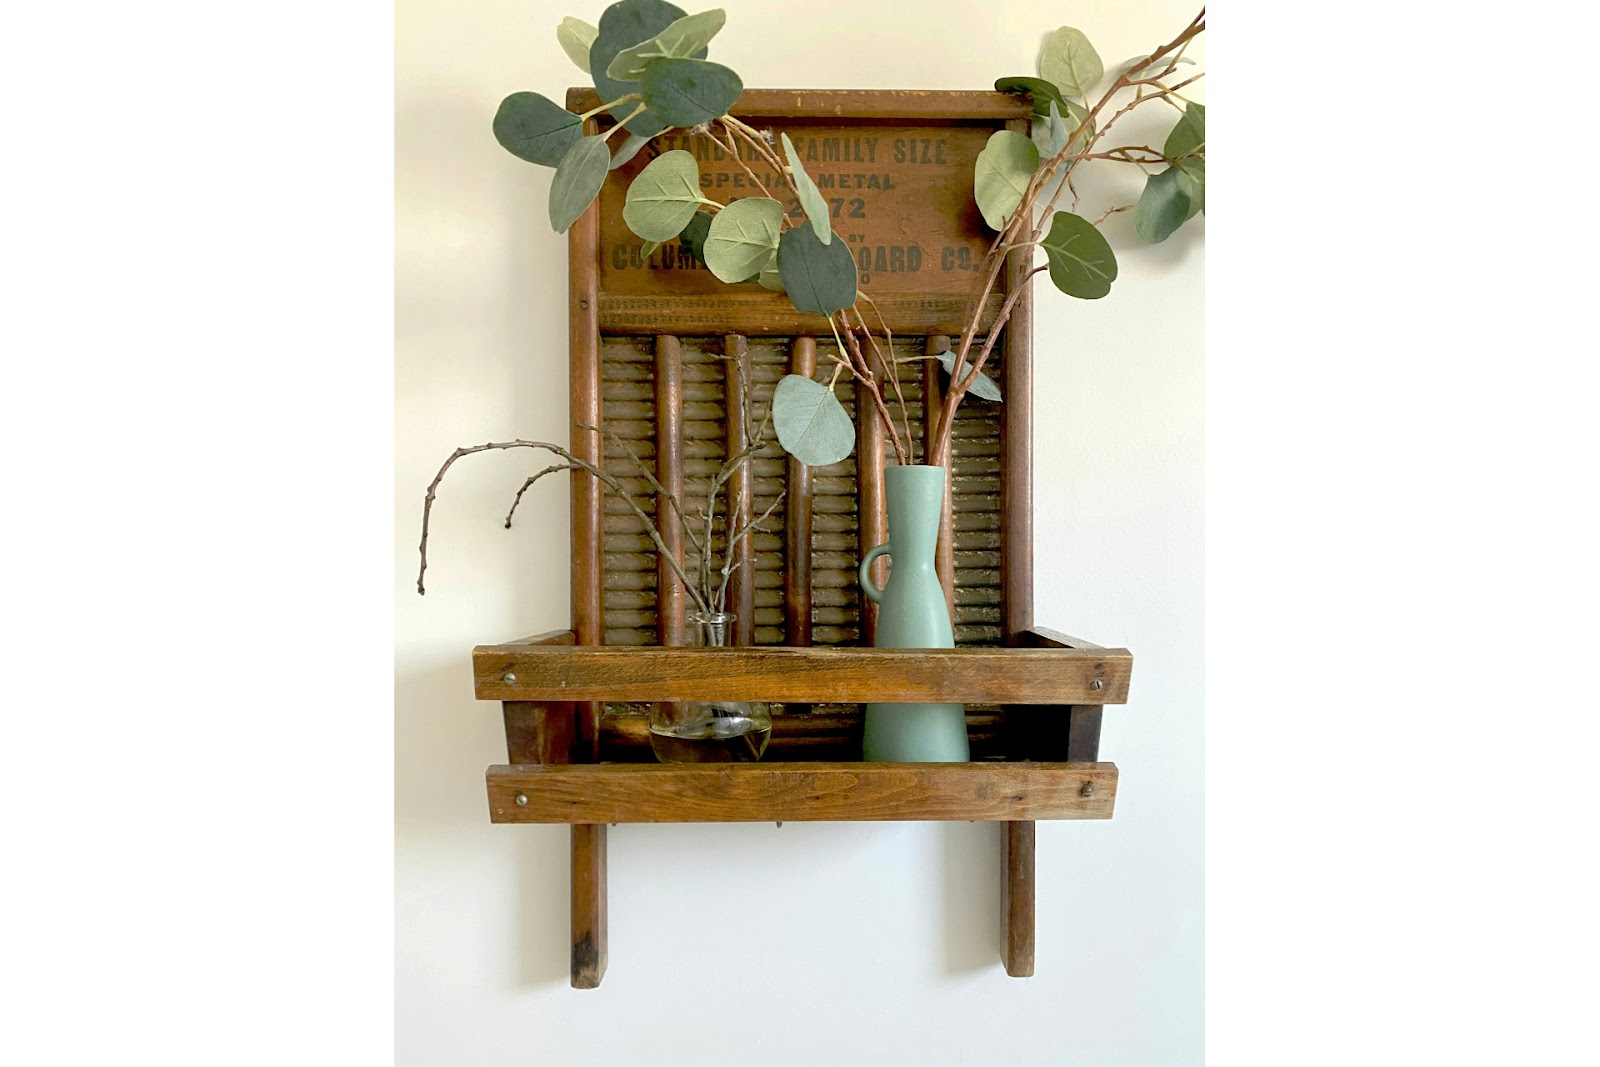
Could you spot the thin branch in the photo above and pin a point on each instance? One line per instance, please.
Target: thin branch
(529, 484)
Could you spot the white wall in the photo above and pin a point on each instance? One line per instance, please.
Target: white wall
(861, 943)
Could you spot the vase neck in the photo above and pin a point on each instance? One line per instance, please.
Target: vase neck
(712, 629)
(915, 497)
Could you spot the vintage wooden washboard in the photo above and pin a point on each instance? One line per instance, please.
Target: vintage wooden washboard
(653, 349)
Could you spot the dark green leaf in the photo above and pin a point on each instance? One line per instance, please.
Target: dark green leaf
(624, 25)
(533, 128)
(820, 278)
(687, 92)
(983, 387)
(1163, 206)
(742, 237)
(1001, 175)
(578, 179)
(576, 37)
(664, 196)
(812, 425)
(1042, 92)
(693, 237)
(1071, 62)
(1081, 262)
(684, 39)
(806, 190)
(1188, 137)
(1192, 180)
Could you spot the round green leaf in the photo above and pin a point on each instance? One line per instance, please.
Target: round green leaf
(664, 197)
(1192, 180)
(983, 387)
(742, 237)
(622, 26)
(576, 37)
(687, 92)
(1042, 92)
(684, 39)
(534, 128)
(579, 176)
(693, 237)
(1188, 137)
(810, 197)
(1071, 62)
(819, 278)
(1081, 263)
(812, 425)
(1163, 206)
(1000, 177)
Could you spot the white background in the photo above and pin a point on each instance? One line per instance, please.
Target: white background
(882, 938)
(1399, 460)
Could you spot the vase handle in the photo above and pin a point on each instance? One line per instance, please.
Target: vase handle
(873, 592)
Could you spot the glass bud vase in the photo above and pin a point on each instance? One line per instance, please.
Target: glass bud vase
(710, 731)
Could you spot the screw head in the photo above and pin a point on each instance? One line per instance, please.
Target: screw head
(509, 678)
(522, 800)
(1086, 791)
(1097, 684)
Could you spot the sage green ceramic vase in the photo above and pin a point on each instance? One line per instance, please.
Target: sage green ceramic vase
(912, 613)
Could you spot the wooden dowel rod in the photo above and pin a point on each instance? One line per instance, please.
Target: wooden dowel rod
(1016, 435)
(670, 596)
(1017, 899)
(872, 518)
(741, 584)
(797, 521)
(933, 407)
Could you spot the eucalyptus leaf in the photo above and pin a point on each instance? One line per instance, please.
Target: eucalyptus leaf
(623, 25)
(1081, 262)
(810, 197)
(687, 92)
(684, 39)
(576, 37)
(742, 238)
(1163, 206)
(1192, 180)
(536, 129)
(1050, 133)
(1141, 67)
(1071, 63)
(648, 249)
(1042, 92)
(1001, 175)
(664, 196)
(819, 278)
(983, 387)
(812, 425)
(629, 148)
(579, 176)
(693, 237)
(1188, 137)
(770, 277)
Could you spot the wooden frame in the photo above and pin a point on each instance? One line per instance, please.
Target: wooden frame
(578, 751)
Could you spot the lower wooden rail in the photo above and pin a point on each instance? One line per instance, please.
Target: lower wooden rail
(800, 792)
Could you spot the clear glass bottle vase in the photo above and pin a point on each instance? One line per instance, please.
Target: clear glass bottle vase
(710, 731)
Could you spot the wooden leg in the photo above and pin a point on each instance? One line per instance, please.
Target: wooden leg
(1016, 900)
(588, 905)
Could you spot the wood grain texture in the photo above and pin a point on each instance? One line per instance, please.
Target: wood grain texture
(539, 732)
(1044, 637)
(671, 597)
(1016, 430)
(764, 314)
(797, 524)
(872, 503)
(740, 489)
(932, 410)
(583, 406)
(812, 675)
(953, 105)
(800, 792)
(1017, 911)
(589, 948)
(549, 637)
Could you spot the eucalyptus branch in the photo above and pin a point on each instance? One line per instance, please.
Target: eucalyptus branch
(892, 371)
(874, 390)
(635, 113)
(648, 475)
(529, 484)
(605, 477)
(729, 565)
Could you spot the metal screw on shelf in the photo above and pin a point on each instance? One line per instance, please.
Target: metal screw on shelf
(1086, 791)
(511, 679)
(522, 800)
(1097, 684)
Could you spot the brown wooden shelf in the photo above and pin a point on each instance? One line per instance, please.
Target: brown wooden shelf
(800, 792)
